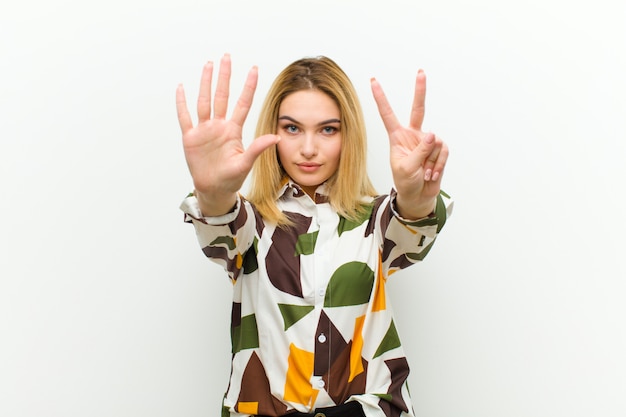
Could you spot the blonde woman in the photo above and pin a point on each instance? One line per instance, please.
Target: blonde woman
(310, 248)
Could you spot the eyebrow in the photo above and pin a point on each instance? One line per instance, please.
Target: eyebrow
(325, 122)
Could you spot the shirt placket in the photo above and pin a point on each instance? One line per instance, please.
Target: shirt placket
(326, 242)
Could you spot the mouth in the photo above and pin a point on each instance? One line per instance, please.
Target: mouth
(308, 166)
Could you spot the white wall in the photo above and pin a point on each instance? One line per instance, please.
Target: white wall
(108, 307)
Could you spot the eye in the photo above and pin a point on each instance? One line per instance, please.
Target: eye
(292, 129)
(329, 130)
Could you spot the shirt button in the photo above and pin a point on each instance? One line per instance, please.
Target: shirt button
(321, 338)
(321, 383)
(322, 292)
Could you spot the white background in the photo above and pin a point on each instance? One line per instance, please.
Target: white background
(107, 305)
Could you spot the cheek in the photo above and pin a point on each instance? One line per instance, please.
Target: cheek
(281, 150)
(336, 152)
(286, 151)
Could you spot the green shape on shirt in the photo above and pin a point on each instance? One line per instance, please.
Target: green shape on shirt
(306, 243)
(390, 341)
(225, 411)
(228, 240)
(386, 397)
(292, 313)
(347, 225)
(439, 218)
(250, 263)
(246, 335)
(421, 255)
(351, 284)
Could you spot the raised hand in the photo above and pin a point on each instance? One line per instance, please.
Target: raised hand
(417, 158)
(214, 150)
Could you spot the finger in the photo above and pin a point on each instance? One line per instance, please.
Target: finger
(220, 105)
(184, 119)
(419, 98)
(384, 109)
(245, 100)
(421, 152)
(204, 97)
(440, 165)
(431, 158)
(258, 146)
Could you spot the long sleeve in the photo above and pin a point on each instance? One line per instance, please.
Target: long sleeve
(223, 239)
(405, 242)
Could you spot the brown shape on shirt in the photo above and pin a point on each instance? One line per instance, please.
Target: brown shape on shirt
(337, 379)
(399, 369)
(282, 262)
(372, 221)
(327, 352)
(255, 388)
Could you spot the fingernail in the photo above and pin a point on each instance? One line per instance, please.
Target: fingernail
(427, 175)
(435, 176)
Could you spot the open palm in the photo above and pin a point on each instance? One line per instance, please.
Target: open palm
(214, 151)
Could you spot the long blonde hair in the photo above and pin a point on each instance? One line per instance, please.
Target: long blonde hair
(350, 183)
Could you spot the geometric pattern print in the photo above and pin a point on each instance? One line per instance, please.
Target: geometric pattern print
(352, 330)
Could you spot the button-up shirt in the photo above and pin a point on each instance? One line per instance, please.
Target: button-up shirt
(311, 322)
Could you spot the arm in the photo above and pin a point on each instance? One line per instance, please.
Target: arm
(216, 158)
(224, 239)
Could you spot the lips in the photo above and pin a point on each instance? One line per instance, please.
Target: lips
(308, 166)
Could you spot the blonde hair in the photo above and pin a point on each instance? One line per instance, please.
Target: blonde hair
(350, 183)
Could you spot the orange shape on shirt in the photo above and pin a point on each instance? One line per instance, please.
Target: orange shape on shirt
(379, 302)
(248, 407)
(298, 386)
(356, 364)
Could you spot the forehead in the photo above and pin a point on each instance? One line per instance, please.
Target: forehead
(309, 104)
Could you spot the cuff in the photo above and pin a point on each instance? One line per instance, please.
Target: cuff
(191, 208)
(438, 217)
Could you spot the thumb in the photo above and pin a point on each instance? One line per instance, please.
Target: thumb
(258, 146)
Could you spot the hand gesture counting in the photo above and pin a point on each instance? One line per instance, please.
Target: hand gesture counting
(214, 151)
(417, 158)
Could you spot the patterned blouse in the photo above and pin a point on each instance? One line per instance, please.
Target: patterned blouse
(311, 323)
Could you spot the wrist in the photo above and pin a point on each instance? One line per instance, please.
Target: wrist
(411, 209)
(215, 204)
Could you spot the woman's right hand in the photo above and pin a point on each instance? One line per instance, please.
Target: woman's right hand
(214, 150)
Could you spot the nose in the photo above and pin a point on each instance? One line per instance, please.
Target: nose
(308, 147)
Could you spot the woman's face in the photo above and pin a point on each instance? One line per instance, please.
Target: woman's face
(309, 124)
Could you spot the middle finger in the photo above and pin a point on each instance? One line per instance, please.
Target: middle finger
(220, 104)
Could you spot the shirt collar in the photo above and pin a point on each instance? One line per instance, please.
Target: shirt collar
(292, 190)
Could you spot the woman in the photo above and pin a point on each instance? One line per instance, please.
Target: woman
(310, 249)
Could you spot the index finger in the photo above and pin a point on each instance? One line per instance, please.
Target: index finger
(386, 112)
(240, 112)
(419, 98)
(204, 97)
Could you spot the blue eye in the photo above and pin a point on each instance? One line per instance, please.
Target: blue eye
(291, 129)
(329, 130)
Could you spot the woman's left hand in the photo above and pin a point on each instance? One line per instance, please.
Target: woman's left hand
(417, 158)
